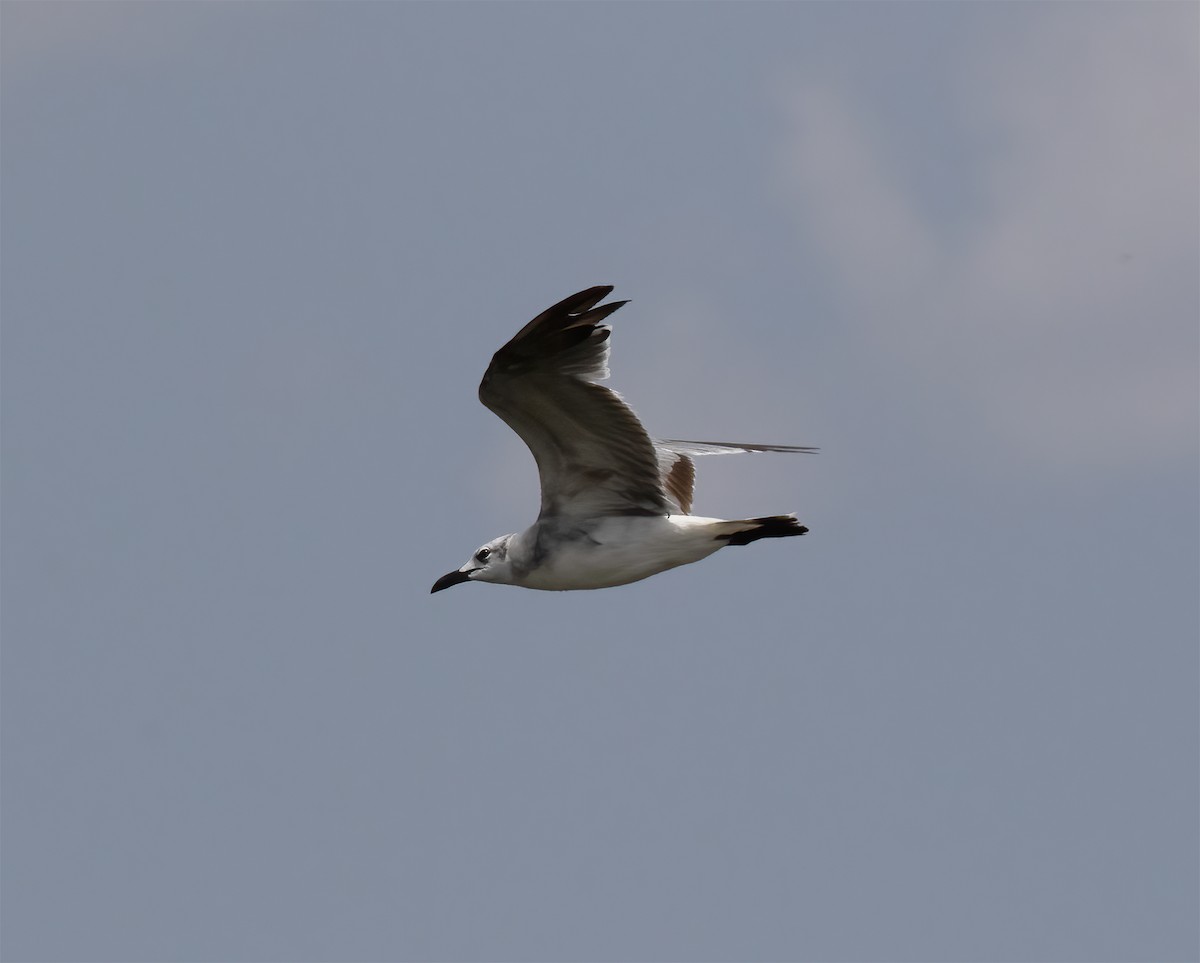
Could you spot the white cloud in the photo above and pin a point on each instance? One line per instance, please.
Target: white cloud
(1064, 312)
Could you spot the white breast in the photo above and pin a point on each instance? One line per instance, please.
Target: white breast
(616, 550)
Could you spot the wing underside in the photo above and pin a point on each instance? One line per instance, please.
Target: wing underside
(593, 455)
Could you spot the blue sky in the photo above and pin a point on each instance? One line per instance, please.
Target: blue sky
(255, 260)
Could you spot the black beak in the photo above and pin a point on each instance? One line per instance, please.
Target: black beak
(454, 578)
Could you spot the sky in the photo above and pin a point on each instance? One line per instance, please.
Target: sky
(255, 258)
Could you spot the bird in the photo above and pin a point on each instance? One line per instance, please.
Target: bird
(615, 503)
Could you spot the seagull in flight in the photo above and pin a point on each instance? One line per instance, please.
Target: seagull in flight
(616, 504)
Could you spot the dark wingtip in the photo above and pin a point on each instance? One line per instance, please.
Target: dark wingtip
(598, 314)
(772, 526)
(581, 300)
(559, 328)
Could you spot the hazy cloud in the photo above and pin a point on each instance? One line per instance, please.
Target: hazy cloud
(1063, 310)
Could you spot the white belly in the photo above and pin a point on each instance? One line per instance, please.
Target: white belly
(622, 549)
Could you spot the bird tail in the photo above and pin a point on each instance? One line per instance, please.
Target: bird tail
(746, 530)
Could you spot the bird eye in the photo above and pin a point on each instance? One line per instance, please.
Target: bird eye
(482, 554)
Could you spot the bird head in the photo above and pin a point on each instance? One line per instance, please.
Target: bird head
(489, 563)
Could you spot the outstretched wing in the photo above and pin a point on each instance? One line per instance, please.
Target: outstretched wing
(678, 471)
(593, 455)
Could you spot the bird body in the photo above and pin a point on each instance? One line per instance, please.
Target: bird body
(615, 504)
(612, 550)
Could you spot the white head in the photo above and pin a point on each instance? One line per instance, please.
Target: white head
(490, 563)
